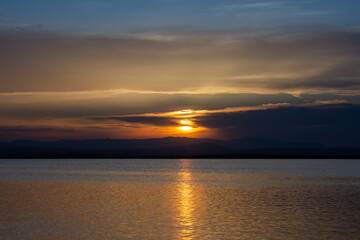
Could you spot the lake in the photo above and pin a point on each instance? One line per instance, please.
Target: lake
(179, 199)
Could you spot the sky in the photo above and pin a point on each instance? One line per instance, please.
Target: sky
(86, 69)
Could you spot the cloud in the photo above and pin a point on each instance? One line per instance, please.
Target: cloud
(32, 129)
(330, 124)
(39, 62)
(156, 121)
(37, 106)
(9, 26)
(256, 5)
(13, 132)
(265, 10)
(66, 105)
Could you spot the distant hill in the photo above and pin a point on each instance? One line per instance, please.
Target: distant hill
(171, 147)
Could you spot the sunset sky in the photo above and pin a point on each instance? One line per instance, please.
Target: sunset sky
(84, 69)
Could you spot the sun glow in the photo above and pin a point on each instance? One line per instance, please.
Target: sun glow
(186, 122)
(185, 128)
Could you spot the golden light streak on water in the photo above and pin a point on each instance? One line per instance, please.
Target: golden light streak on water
(186, 201)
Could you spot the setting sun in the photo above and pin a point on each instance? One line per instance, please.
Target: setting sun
(186, 128)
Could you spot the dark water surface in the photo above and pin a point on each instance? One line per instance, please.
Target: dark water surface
(179, 199)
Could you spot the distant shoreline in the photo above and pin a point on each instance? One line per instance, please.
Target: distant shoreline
(176, 148)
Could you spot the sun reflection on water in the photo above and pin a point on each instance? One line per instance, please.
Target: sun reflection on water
(186, 201)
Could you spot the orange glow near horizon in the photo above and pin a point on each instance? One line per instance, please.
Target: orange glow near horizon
(183, 124)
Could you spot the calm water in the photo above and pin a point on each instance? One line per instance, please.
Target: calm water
(179, 199)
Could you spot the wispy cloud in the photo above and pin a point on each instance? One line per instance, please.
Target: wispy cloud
(323, 61)
(32, 129)
(9, 25)
(257, 5)
(278, 9)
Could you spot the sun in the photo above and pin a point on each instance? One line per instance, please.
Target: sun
(185, 128)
